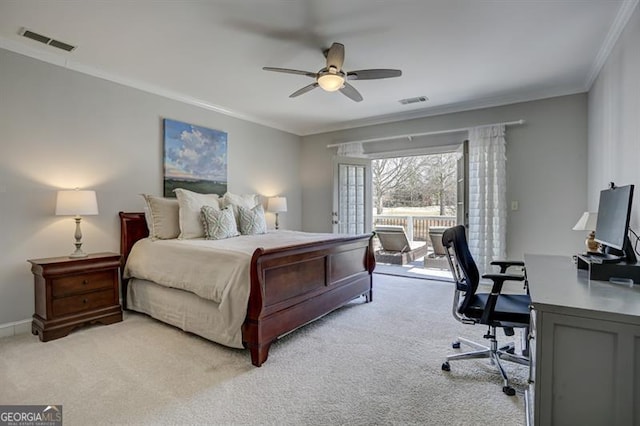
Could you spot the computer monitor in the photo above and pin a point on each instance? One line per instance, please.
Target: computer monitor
(612, 227)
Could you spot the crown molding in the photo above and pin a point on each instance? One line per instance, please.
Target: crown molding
(624, 14)
(512, 98)
(62, 60)
(65, 60)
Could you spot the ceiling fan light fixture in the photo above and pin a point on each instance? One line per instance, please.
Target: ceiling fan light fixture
(332, 78)
(331, 82)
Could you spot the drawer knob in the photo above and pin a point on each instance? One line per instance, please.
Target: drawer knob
(85, 300)
(85, 282)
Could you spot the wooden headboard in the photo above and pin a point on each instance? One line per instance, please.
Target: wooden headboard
(133, 227)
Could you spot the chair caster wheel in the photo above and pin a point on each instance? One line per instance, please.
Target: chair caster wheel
(508, 349)
(455, 345)
(509, 390)
(446, 366)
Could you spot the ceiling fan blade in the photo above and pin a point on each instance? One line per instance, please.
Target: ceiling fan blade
(335, 56)
(304, 90)
(350, 92)
(289, 71)
(373, 74)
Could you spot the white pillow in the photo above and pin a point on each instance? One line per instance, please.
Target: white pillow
(162, 217)
(190, 208)
(248, 201)
(252, 221)
(218, 224)
(245, 200)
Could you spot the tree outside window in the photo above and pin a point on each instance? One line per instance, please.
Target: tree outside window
(417, 181)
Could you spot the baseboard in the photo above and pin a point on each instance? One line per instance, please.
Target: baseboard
(13, 328)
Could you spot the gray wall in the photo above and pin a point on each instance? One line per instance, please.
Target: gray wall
(614, 120)
(546, 169)
(60, 129)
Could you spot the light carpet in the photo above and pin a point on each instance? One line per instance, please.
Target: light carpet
(365, 364)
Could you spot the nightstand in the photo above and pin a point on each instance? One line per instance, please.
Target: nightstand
(72, 292)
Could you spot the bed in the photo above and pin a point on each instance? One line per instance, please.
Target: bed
(288, 286)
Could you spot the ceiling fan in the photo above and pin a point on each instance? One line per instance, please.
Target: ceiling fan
(333, 77)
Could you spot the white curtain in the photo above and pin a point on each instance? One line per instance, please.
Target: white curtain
(487, 195)
(351, 149)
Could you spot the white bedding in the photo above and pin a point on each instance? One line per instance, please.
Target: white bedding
(215, 270)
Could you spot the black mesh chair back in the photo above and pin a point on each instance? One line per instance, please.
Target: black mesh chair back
(467, 276)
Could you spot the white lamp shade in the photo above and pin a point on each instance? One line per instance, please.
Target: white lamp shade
(76, 203)
(277, 204)
(587, 222)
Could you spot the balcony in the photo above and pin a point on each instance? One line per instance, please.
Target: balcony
(416, 227)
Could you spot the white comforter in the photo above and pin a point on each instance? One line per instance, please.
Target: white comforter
(216, 270)
(208, 268)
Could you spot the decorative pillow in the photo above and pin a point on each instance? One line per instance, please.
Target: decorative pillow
(189, 215)
(252, 221)
(162, 217)
(218, 224)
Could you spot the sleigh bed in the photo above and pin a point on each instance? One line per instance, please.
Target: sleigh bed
(288, 287)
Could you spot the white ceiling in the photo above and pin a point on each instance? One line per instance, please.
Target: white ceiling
(461, 54)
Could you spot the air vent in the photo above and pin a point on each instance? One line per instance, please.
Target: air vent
(415, 100)
(46, 40)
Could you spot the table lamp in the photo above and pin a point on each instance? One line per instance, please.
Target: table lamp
(76, 203)
(587, 222)
(277, 205)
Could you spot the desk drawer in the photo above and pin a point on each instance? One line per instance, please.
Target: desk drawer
(81, 283)
(83, 302)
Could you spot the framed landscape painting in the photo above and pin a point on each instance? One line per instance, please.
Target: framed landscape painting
(195, 158)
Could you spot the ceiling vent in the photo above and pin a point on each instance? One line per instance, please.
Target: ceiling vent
(46, 40)
(415, 100)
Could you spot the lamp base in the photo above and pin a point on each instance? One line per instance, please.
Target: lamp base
(78, 253)
(78, 243)
(591, 244)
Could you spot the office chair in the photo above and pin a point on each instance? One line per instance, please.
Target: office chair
(496, 310)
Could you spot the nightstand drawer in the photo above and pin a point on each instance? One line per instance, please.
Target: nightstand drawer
(82, 302)
(75, 284)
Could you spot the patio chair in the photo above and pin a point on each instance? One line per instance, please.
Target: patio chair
(436, 259)
(396, 247)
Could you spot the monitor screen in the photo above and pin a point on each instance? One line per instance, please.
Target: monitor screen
(614, 211)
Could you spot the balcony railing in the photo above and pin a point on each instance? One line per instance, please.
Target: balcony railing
(416, 227)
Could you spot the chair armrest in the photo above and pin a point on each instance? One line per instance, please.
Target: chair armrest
(492, 299)
(503, 277)
(504, 264)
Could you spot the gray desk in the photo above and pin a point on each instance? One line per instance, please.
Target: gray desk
(585, 346)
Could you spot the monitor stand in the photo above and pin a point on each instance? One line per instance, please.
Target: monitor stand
(614, 271)
(627, 254)
(609, 258)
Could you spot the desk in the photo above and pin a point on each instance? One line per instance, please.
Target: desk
(585, 346)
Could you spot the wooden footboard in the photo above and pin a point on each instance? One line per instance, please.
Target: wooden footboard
(295, 285)
(290, 286)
